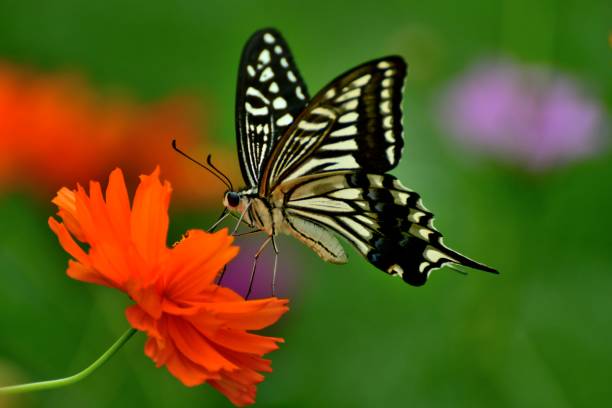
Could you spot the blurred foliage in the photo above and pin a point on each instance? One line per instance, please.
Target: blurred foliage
(537, 335)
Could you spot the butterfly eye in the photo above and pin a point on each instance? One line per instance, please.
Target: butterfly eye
(233, 199)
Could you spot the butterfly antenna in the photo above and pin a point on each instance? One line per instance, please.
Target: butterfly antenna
(182, 153)
(209, 161)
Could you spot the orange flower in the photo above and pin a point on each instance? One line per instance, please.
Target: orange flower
(44, 116)
(196, 328)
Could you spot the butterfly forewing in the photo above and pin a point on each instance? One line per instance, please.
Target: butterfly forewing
(355, 123)
(270, 95)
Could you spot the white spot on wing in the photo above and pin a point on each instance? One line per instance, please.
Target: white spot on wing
(344, 145)
(273, 87)
(278, 49)
(348, 194)
(433, 255)
(400, 198)
(256, 111)
(321, 111)
(345, 131)
(420, 232)
(284, 62)
(396, 270)
(361, 231)
(399, 186)
(291, 76)
(284, 120)
(361, 81)
(383, 65)
(348, 117)
(255, 92)
(353, 93)
(264, 57)
(390, 152)
(350, 105)
(266, 74)
(250, 70)
(366, 220)
(415, 215)
(376, 180)
(279, 103)
(269, 38)
(299, 93)
(305, 125)
(389, 137)
(385, 107)
(344, 162)
(322, 203)
(387, 122)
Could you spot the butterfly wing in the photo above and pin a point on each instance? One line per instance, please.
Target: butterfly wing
(270, 95)
(382, 219)
(354, 123)
(329, 168)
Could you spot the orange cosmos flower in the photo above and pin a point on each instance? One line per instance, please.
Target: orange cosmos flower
(195, 328)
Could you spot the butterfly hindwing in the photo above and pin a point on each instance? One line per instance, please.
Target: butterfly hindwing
(385, 221)
(270, 95)
(354, 123)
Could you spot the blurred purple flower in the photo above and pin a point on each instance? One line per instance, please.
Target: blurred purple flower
(238, 271)
(522, 114)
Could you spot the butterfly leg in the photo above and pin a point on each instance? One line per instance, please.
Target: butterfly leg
(221, 217)
(257, 254)
(241, 218)
(222, 275)
(247, 233)
(275, 264)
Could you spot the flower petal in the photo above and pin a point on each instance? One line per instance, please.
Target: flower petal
(238, 394)
(196, 348)
(67, 242)
(118, 203)
(239, 340)
(142, 321)
(149, 218)
(189, 373)
(195, 262)
(249, 315)
(78, 271)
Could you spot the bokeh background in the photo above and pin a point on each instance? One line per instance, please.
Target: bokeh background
(507, 131)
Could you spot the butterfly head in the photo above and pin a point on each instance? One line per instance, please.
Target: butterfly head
(231, 200)
(236, 201)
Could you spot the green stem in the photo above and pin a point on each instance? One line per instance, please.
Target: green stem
(62, 382)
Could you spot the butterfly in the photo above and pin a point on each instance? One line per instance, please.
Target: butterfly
(317, 168)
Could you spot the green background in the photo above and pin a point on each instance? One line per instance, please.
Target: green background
(537, 335)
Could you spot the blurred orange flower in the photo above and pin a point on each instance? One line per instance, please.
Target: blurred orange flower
(55, 129)
(196, 328)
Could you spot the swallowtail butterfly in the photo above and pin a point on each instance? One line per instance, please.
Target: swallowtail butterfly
(317, 167)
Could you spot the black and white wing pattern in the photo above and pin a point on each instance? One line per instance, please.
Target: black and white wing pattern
(355, 123)
(270, 95)
(382, 219)
(330, 170)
